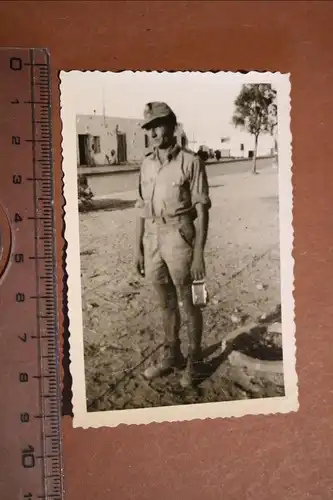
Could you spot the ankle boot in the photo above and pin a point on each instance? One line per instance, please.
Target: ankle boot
(191, 373)
(172, 358)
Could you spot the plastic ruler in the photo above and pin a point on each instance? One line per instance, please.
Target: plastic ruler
(30, 443)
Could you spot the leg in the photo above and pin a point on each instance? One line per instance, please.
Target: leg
(177, 252)
(167, 297)
(172, 356)
(195, 327)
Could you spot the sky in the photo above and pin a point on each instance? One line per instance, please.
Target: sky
(202, 102)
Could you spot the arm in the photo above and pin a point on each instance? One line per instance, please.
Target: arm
(201, 228)
(198, 268)
(140, 230)
(201, 200)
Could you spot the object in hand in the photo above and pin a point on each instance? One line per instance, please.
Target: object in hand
(199, 293)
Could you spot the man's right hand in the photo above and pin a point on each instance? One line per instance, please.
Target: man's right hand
(140, 263)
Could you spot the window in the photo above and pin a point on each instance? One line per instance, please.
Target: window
(96, 144)
(242, 147)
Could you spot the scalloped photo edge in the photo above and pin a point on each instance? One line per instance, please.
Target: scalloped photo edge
(187, 412)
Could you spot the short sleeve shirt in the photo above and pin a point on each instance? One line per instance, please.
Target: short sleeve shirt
(173, 187)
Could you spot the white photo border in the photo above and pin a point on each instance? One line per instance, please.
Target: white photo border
(224, 409)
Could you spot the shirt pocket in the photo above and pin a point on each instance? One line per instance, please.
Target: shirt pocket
(177, 195)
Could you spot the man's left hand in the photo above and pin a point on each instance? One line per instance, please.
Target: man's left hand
(198, 267)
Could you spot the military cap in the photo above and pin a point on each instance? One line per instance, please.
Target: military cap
(155, 111)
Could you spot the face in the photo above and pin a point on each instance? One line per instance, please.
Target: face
(161, 134)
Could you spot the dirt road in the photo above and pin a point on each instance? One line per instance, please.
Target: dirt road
(127, 181)
(122, 329)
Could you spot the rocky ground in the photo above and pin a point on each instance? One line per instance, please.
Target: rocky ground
(122, 329)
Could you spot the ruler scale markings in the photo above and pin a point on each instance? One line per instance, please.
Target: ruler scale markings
(39, 348)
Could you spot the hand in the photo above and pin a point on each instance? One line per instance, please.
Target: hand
(140, 263)
(198, 267)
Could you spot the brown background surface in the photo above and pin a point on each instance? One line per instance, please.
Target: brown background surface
(255, 457)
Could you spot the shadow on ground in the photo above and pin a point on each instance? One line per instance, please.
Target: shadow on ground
(258, 343)
(107, 205)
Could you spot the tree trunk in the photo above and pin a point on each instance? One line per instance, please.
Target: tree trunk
(256, 137)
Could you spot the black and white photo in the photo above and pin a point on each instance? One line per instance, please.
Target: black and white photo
(178, 222)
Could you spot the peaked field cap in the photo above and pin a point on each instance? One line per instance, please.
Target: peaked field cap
(154, 111)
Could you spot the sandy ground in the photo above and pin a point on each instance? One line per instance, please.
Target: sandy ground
(122, 328)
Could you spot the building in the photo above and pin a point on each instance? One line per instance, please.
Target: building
(239, 144)
(105, 140)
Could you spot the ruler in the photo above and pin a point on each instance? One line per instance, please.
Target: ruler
(30, 443)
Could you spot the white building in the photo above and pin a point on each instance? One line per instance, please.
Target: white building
(240, 144)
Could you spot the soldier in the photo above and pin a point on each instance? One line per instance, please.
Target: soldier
(173, 192)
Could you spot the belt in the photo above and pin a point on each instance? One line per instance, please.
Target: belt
(171, 220)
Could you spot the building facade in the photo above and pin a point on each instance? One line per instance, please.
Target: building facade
(241, 145)
(105, 140)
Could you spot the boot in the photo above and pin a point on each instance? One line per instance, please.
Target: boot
(192, 374)
(172, 359)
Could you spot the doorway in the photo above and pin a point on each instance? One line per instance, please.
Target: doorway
(121, 147)
(83, 149)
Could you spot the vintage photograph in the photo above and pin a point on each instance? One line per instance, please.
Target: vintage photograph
(178, 222)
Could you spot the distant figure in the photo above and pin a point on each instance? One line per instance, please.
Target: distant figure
(218, 154)
(113, 157)
(203, 155)
(92, 162)
(85, 194)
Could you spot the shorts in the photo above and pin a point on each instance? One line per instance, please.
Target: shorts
(168, 249)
